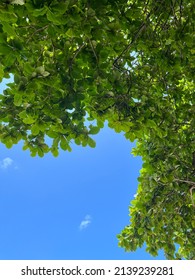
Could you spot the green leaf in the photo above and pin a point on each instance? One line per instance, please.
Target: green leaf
(40, 12)
(17, 99)
(94, 129)
(45, 74)
(55, 151)
(77, 141)
(140, 231)
(25, 146)
(4, 49)
(64, 144)
(193, 223)
(8, 29)
(70, 33)
(56, 18)
(9, 143)
(61, 8)
(100, 123)
(28, 68)
(29, 120)
(130, 135)
(40, 152)
(151, 123)
(23, 114)
(91, 142)
(33, 153)
(40, 69)
(35, 129)
(6, 16)
(17, 79)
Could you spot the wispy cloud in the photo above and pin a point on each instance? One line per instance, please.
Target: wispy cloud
(6, 162)
(85, 222)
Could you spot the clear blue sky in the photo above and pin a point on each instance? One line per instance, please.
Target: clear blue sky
(70, 207)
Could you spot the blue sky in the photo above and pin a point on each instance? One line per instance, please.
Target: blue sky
(70, 207)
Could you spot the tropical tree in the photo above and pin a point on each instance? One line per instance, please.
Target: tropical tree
(130, 63)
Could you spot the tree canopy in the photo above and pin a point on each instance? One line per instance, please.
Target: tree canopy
(130, 63)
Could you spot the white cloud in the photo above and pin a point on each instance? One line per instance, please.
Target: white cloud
(85, 222)
(6, 162)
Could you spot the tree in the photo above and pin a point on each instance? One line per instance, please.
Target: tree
(128, 62)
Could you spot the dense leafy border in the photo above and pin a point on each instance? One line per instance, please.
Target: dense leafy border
(128, 62)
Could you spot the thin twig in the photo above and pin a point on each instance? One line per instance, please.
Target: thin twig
(93, 49)
(142, 27)
(77, 52)
(186, 181)
(180, 9)
(38, 30)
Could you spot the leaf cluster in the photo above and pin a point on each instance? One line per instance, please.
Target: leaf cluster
(130, 63)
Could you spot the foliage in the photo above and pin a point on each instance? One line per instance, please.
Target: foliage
(128, 62)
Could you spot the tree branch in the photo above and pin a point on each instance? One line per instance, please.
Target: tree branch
(92, 47)
(186, 181)
(77, 52)
(142, 27)
(38, 30)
